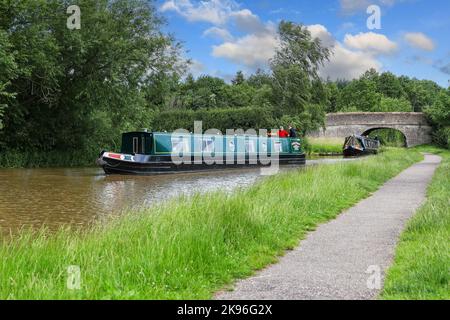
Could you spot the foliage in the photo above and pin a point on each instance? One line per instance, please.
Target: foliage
(295, 73)
(439, 114)
(374, 92)
(389, 137)
(191, 247)
(360, 95)
(222, 119)
(420, 269)
(299, 48)
(74, 87)
(8, 72)
(388, 104)
(74, 91)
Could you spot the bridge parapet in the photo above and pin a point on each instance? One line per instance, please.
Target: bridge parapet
(413, 125)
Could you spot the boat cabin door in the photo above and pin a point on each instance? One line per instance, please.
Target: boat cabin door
(136, 143)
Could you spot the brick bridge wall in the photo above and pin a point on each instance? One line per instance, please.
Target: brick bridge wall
(414, 126)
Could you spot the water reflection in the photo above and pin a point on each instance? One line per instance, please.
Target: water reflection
(55, 197)
(34, 197)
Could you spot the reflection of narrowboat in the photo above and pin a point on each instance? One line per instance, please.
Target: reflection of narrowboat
(360, 145)
(154, 153)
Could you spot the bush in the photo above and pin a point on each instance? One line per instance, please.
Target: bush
(395, 105)
(442, 137)
(222, 119)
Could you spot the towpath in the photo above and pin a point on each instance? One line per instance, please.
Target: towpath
(345, 258)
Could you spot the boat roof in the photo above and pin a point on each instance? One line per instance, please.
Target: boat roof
(188, 134)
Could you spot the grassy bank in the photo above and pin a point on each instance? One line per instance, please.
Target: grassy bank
(422, 260)
(325, 145)
(34, 159)
(191, 248)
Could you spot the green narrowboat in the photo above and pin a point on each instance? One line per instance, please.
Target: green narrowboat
(360, 145)
(158, 153)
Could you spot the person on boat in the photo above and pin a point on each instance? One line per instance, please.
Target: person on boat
(292, 132)
(283, 133)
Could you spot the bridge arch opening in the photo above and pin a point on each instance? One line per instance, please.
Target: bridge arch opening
(388, 136)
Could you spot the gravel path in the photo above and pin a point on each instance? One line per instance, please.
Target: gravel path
(341, 258)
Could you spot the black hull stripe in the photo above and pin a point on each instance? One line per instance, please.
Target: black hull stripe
(122, 167)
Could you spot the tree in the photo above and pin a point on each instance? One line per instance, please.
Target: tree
(8, 73)
(259, 79)
(333, 97)
(238, 79)
(439, 114)
(299, 48)
(291, 89)
(421, 93)
(78, 86)
(360, 95)
(295, 67)
(395, 105)
(390, 86)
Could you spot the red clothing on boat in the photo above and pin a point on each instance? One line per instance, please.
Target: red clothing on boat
(283, 134)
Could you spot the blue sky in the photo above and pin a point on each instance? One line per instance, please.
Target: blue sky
(223, 36)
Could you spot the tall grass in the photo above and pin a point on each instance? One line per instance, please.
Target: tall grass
(192, 247)
(325, 145)
(41, 159)
(422, 260)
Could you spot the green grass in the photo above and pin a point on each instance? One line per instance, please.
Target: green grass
(421, 268)
(192, 247)
(35, 159)
(325, 145)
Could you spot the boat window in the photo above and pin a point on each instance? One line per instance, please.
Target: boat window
(250, 146)
(135, 145)
(208, 145)
(180, 144)
(278, 146)
(264, 147)
(231, 146)
(143, 145)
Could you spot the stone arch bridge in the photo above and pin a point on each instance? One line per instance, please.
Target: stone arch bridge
(413, 125)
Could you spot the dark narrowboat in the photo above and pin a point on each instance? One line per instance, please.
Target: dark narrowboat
(158, 153)
(360, 145)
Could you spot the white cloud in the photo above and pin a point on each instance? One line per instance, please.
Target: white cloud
(213, 11)
(352, 6)
(371, 42)
(344, 63)
(252, 51)
(220, 33)
(248, 22)
(258, 45)
(420, 41)
(255, 50)
(348, 64)
(319, 31)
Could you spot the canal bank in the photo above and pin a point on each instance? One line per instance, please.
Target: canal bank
(192, 247)
(78, 197)
(422, 258)
(346, 258)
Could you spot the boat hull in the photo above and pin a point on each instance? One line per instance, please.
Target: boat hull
(353, 152)
(117, 166)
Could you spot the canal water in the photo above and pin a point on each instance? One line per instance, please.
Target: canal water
(78, 197)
